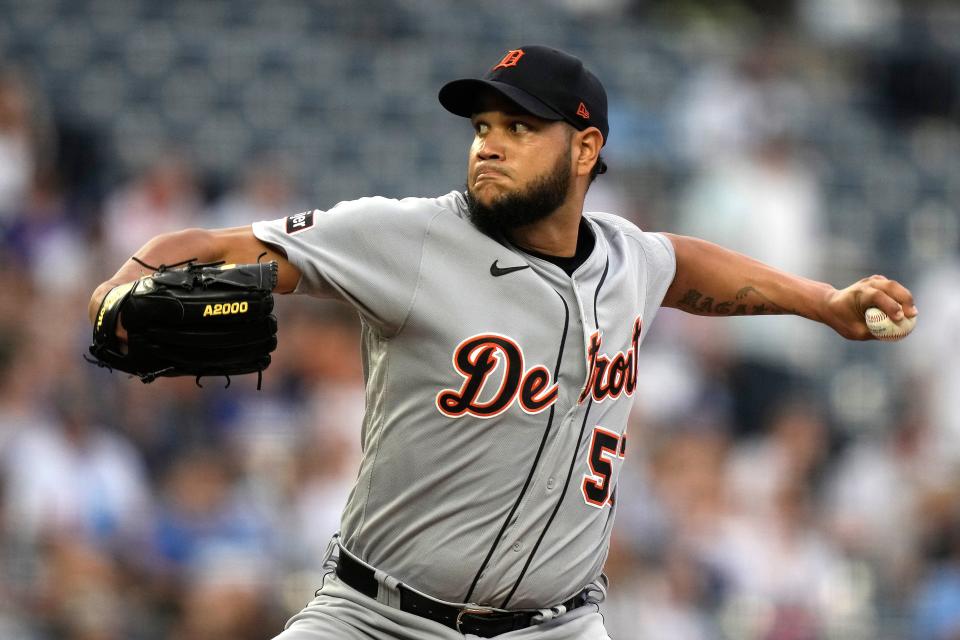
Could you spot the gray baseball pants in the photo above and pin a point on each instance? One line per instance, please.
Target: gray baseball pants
(340, 612)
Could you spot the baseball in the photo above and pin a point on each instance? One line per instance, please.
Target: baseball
(883, 328)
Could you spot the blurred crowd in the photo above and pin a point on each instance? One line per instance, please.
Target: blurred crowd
(782, 484)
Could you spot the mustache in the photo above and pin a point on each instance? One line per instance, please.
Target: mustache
(488, 168)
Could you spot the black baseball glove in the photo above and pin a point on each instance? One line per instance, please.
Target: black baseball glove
(200, 320)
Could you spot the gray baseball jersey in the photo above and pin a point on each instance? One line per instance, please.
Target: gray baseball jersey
(497, 392)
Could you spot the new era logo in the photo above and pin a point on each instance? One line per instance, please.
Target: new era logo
(582, 111)
(299, 222)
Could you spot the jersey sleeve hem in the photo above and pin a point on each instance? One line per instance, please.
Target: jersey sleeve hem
(673, 255)
(295, 257)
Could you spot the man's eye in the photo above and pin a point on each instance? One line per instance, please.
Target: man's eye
(481, 128)
(520, 127)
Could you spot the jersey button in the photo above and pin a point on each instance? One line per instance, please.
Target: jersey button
(550, 483)
(517, 546)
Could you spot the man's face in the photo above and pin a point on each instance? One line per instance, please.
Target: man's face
(519, 170)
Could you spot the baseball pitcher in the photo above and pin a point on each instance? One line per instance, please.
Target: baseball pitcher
(502, 328)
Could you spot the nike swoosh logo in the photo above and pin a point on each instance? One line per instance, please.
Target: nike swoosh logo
(496, 271)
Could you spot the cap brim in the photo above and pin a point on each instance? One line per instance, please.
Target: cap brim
(462, 97)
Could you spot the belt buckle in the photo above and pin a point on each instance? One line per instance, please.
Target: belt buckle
(471, 611)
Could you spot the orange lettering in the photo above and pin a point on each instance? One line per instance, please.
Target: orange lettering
(510, 60)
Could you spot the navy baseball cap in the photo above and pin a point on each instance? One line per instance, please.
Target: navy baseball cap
(545, 82)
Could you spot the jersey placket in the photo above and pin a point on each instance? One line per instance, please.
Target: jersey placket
(554, 475)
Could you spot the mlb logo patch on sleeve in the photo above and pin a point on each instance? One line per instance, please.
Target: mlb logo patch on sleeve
(299, 222)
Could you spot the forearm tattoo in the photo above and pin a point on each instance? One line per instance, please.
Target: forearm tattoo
(748, 301)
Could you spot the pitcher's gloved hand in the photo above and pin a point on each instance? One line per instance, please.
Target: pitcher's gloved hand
(199, 320)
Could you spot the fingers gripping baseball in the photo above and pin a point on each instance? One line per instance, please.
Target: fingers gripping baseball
(846, 308)
(891, 297)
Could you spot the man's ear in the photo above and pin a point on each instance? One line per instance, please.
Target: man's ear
(586, 149)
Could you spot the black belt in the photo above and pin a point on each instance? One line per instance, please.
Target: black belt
(479, 622)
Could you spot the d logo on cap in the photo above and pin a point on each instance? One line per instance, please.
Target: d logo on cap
(550, 84)
(510, 60)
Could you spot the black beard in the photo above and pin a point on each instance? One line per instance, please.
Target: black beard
(522, 207)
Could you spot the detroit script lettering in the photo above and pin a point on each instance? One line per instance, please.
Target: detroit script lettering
(476, 359)
(479, 357)
(611, 376)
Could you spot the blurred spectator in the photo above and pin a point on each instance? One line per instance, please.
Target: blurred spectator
(848, 22)
(227, 598)
(676, 602)
(19, 410)
(791, 451)
(266, 192)
(755, 192)
(67, 474)
(324, 340)
(937, 606)
(873, 496)
(783, 577)
(688, 477)
(82, 594)
(164, 197)
(729, 108)
(204, 518)
(24, 141)
(765, 204)
(325, 476)
(47, 240)
(933, 358)
(323, 343)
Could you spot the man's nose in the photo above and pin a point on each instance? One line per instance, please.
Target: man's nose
(490, 147)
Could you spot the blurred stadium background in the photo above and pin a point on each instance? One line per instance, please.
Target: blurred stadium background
(782, 484)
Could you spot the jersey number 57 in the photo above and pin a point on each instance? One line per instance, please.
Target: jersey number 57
(605, 447)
